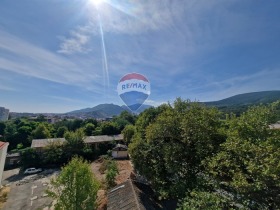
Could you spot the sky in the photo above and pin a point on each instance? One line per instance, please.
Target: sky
(62, 55)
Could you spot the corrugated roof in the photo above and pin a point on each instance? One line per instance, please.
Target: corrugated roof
(131, 195)
(16, 154)
(119, 146)
(275, 126)
(39, 143)
(103, 138)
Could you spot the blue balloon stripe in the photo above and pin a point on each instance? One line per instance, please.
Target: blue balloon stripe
(134, 99)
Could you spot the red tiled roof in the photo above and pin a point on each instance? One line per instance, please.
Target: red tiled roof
(2, 144)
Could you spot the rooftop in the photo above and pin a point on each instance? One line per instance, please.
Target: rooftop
(38, 143)
(103, 138)
(120, 147)
(275, 126)
(131, 195)
(3, 144)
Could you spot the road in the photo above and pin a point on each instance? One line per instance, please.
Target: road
(28, 192)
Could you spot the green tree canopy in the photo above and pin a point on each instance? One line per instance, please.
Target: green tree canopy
(248, 162)
(75, 142)
(2, 128)
(75, 187)
(61, 131)
(41, 132)
(109, 128)
(128, 133)
(176, 142)
(29, 158)
(89, 129)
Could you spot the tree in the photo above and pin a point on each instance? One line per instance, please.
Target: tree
(61, 131)
(2, 128)
(109, 128)
(89, 129)
(147, 117)
(174, 145)
(248, 162)
(128, 133)
(24, 133)
(30, 158)
(90, 120)
(111, 173)
(128, 116)
(41, 132)
(75, 187)
(198, 200)
(10, 135)
(75, 124)
(75, 142)
(54, 153)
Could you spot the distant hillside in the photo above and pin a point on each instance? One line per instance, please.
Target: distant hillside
(239, 103)
(107, 109)
(104, 110)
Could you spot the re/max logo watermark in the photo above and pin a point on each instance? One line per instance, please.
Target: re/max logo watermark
(134, 85)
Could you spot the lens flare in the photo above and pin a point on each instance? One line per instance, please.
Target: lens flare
(96, 2)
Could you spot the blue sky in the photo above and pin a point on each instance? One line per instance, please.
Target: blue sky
(51, 59)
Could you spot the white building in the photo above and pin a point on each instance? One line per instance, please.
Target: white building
(3, 154)
(4, 114)
(120, 151)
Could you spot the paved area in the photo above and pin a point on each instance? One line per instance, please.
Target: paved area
(28, 192)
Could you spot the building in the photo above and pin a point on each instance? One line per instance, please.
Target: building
(275, 126)
(40, 144)
(3, 154)
(120, 151)
(4, 114)
(12, 160)
(131, 195)
(96, 140)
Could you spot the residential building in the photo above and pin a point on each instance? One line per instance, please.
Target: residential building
(4, 114)
(3, 154)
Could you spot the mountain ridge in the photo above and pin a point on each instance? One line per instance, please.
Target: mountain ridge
(236, 104)
(251, 98)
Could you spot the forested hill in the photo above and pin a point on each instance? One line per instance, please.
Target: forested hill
(239, 103)
(105, 110)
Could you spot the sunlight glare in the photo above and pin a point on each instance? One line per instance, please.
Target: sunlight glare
(96, 2)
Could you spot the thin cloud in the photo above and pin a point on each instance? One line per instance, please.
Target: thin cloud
(37, 62)
(76, 44)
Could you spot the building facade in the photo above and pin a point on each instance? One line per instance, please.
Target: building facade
(4, 114)
(3, 154)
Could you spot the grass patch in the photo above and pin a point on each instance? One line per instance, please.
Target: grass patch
(4, 196)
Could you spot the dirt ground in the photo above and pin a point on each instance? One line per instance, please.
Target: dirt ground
(124, 167)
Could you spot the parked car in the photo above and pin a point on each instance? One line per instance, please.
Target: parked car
(32, 171)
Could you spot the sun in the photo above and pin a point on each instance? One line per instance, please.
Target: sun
(96, 2)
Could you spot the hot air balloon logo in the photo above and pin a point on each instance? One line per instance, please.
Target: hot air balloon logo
(134, 89)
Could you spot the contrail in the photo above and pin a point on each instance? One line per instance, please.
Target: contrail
(105, 63)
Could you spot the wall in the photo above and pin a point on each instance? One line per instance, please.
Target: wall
(119, 154)
(3, 154)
